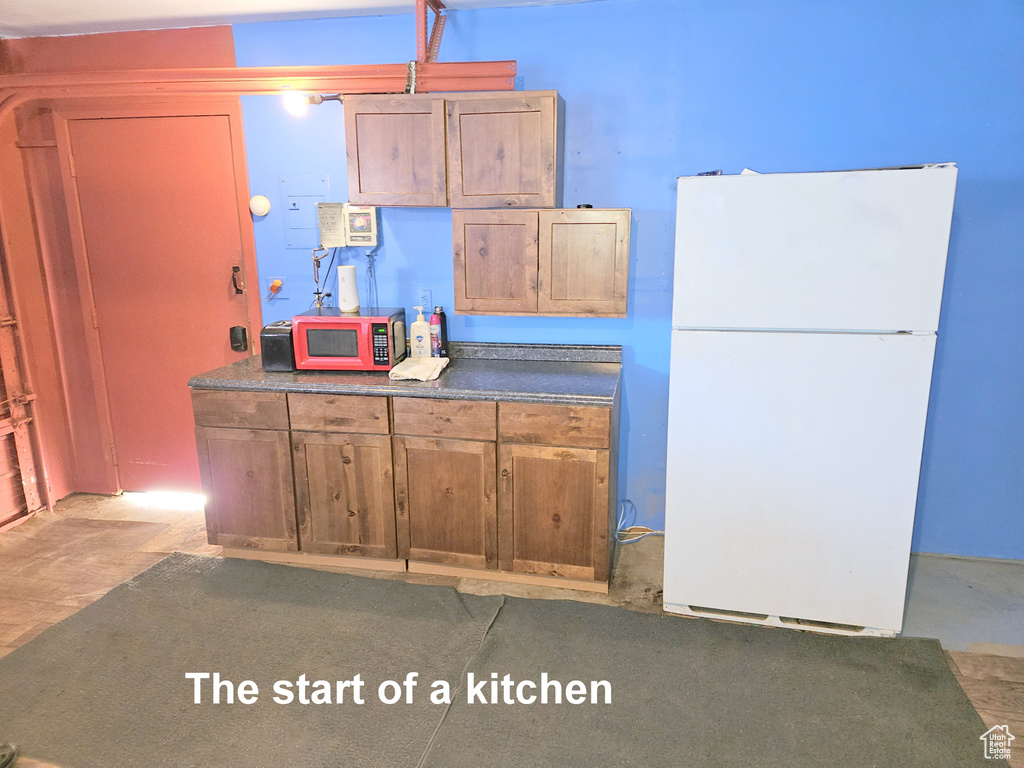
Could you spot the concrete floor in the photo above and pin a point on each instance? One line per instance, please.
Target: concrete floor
(62, 560)
(636, 582)
(969, 604)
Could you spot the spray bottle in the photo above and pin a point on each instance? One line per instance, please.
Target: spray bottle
(438, 333)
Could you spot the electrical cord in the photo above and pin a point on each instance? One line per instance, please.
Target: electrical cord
(639, 531)
(371, 277)
(327, 274)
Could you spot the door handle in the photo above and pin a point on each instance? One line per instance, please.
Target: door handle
(234, 280)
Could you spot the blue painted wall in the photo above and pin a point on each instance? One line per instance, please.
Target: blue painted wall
(655, 89)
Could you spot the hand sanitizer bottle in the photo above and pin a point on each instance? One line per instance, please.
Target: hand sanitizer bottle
(419, 335)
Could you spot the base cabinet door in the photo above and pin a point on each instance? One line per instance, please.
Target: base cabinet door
(553, 507)
(344, 494)
(446, 501)
(247, 478)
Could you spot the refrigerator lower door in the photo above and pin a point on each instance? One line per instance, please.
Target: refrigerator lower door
(793, 463)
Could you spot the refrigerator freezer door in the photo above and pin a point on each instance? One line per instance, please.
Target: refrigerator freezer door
(858, 250)
(793, 461)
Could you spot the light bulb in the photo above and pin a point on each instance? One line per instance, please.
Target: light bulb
(296, 103)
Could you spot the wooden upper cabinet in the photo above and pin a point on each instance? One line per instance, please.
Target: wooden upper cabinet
(503, 150)
(584, 262)
(560, 262)
(495, 260)
(395, 146)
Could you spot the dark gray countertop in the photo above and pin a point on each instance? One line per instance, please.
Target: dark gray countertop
(519, 373)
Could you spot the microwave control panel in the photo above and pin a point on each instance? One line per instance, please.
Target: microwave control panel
(379, 332)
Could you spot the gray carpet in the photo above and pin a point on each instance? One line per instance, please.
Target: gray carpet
(107, 686)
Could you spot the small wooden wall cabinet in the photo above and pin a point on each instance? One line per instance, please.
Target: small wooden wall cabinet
(541, 262)
(467, 150)
(500, 487)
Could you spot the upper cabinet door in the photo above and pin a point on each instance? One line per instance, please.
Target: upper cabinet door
(503, 150)
(395, 150)
(495, 261)
(584, 262)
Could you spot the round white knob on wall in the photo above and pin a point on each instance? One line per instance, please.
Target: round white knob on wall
(259, 205)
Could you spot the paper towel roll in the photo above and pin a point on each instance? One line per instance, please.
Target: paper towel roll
(348, 289)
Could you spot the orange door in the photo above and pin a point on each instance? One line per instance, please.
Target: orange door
(159, 209)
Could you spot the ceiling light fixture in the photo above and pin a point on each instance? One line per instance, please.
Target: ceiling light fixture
(298, 103)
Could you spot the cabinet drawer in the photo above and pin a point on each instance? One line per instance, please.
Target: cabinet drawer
(338, 413)
(465, 419)
(574, 426)
(240, 410)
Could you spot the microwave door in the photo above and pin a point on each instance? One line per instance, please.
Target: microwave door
(333, 342)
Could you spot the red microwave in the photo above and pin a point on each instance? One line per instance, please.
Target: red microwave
(328, 339)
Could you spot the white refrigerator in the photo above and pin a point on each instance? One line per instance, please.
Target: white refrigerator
(804, 315)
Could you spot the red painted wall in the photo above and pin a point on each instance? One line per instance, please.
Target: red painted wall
(37, 241)
(155, 49)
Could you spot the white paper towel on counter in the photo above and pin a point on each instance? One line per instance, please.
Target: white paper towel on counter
(419, 368)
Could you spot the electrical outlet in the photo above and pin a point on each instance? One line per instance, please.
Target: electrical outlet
(269, 292)
(423, 300)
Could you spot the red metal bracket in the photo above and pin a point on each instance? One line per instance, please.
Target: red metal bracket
(427, 51)
(359, 78)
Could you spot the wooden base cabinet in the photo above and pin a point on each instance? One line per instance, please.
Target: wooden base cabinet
(526, 488)
(446, 501)
(344, 494)
(553, 511)
(557, 489)
(245, 466)
(247, 478)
